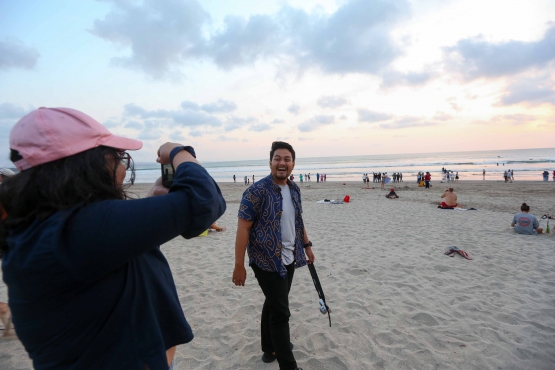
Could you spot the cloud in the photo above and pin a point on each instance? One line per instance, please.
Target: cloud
(192, 118)
(177, 136)
(184, 117)
(441, 116)
(407, 122)
(452, 101)
(13, 54)
(11, 111)
(165, 34)
(186, 104)
(243, 41)
(195, 133)
(150, 132)
(226, 138)
(391, 78)
(161, 34)
(530, 90)
(234, 123)
(221, 106)
(277, 121)
(513, 119)
(475, 57)
(331, 101)
(315, 123)
(294, 108)
(134, 125)
(365, 115)
(259, 127)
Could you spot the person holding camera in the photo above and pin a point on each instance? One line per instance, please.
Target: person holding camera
(271, 229)
(88, 285)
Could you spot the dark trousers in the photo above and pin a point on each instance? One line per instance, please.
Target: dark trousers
(427, 184)
(274, 323)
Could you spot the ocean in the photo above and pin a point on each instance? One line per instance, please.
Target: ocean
(527, 164)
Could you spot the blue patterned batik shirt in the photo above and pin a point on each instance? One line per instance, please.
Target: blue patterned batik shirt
(262, 203)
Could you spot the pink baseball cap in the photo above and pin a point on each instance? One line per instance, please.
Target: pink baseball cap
(49, 134)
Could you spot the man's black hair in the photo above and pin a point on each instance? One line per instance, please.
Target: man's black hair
(281, 145)
(78, 180)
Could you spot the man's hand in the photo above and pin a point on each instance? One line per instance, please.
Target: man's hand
(239, 275)
(309, 254)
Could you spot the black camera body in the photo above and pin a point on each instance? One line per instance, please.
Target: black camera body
(167, 175)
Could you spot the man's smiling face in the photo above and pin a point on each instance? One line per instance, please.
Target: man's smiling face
(282, 165)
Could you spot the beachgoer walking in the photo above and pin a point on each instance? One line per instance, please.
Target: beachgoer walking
(525, 223)
(87, 283)
(317, 177)
(427, 178)
(276, 243)
(301, 177)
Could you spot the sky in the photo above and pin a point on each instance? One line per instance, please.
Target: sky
(333, 78)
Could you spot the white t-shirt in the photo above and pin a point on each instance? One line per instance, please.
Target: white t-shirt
(287, 226)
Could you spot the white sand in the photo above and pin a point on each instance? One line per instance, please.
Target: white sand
(397, 301)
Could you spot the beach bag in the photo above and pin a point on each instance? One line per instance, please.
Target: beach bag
(421, 184)
(347, 198)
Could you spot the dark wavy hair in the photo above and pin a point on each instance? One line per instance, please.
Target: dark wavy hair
(78, 180)
(281, 145)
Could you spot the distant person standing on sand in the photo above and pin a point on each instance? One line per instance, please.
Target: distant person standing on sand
(450, 199)
(273, 258)
(545, 175)
(427, 178)
(317, 177)
(88, 285)
(234, 178)
(524, 223)
(253, 179)
(245, 180)
(484, 174)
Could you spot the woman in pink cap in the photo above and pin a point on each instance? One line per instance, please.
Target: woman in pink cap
(88, 286)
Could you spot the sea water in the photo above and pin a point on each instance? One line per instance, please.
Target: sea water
(527, 164)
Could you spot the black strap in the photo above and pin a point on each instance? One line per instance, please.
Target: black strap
(318, 287)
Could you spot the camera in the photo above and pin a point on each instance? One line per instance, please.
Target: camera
(323, 308)
(167, 175)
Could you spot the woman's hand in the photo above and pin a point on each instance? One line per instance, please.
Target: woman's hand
(164, 152)
(158, 189)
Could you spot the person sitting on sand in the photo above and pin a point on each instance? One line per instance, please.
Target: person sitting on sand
(450, 199)
(525, 223)
(392, 194)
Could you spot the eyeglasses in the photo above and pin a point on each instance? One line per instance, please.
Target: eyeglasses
(125, 160)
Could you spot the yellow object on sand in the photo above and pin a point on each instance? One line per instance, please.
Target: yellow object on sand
(205, 233)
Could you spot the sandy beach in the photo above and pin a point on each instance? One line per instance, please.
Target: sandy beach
(397, 301)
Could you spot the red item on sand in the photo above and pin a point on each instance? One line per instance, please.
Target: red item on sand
(347, 198)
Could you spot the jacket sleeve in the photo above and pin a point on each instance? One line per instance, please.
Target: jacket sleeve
(104, 235)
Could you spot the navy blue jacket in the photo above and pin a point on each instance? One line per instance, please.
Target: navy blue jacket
(89, 287)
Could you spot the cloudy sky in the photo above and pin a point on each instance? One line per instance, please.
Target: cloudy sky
(332, 77)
